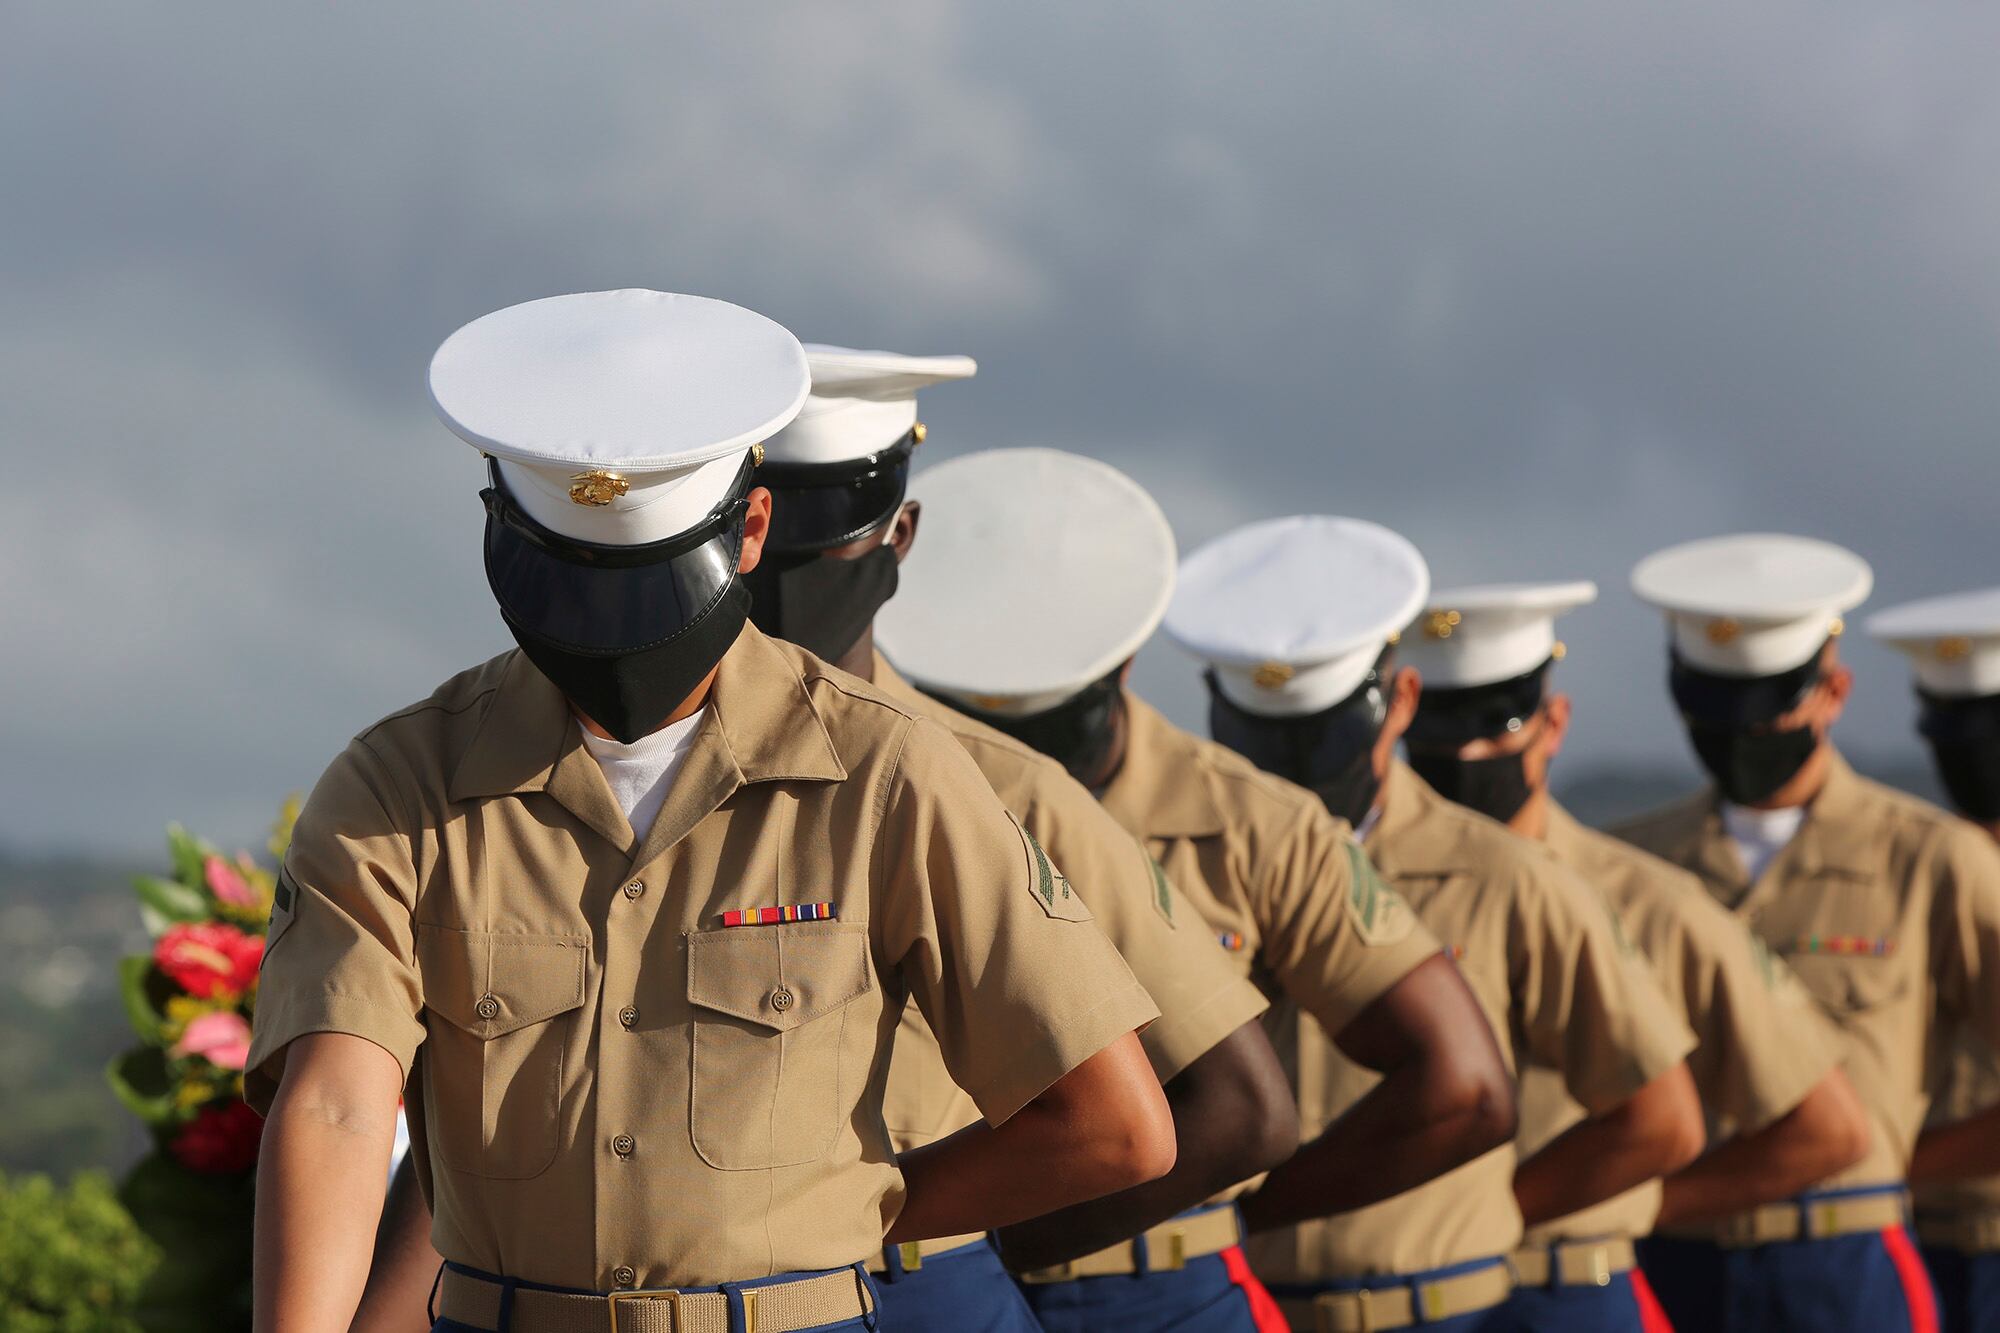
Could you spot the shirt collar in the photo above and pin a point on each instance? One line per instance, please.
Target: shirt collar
(1161, 789)
(760, 710)
(1416, 832)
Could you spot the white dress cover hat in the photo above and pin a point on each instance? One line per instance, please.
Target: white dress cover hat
(618, 417)
(1291, 613)
(1037, 573)
(1953, 641)
(861, 402)
(1486, 633)
(1755, 604)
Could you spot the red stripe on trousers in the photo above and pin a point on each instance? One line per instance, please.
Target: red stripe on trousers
(1917, 1292)
(1652, 1319)
(1264, 1311)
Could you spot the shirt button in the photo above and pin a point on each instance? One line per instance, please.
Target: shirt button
(635, 888)
(624, 1276)
(781, 999)
(628, 1015)
(488, 1007)
(623, 1145)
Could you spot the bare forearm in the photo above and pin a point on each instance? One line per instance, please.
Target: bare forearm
(1656, 1130)
(1961, 1150)
(320, 1183)
(1233, 1118)
(1102, 1127)
(1826, 1132)
(399, 1282)
(985, 1177)
(1386, 1143)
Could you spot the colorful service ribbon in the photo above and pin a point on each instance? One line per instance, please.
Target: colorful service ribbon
(772, 916)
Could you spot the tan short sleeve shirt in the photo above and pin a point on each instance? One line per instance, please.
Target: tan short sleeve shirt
(1543, 955)
(620, 1085)
(1888, 911)
(1760, 1045)
(1171, 950)
(1291, 897)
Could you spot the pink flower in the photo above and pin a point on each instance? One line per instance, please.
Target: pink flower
(227, 883)
(222, 1039)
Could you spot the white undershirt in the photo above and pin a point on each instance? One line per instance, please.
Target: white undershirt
(1760, 835)
(642, 773)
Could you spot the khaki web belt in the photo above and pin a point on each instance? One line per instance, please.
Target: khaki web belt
(1971, 1231)
(1574, 1263)
(779, 1307)
(1168, 1246)
(912, 1253)
(1405, 1306)
(1812, 1219)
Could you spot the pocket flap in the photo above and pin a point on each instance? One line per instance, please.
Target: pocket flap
(779, 976)
(1848, 984)
(492, 984)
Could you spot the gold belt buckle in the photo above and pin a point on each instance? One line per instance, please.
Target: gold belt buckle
(1176, 1250)
(1823, 1217)
(912, 1253)
(667, 1294)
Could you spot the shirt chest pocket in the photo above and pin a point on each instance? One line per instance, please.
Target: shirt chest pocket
(1850, 988)
(776, 1068)
(496, 1046)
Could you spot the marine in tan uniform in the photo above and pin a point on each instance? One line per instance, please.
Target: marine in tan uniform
(1295, 618)
(1292, 900)
(840, 527)
(644, 1034)
(1953, 643)
(1887, 909)
(1779, 1113)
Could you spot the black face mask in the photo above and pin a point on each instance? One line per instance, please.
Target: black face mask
(1971, 775)
(625, 632)
(1332, 752)
(1350, 794)
(1748, 766)
(1077, 733)
(820, 603)
(630, 694)
(1495, 787)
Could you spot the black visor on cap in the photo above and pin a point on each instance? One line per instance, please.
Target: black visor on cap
(1960, 721)
(610, 599)
(1739, 701)
(817, 505)
(1310, 749)
(1451, 718)
(1067, 731)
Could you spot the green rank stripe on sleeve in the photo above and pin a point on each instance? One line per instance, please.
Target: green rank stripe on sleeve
(1045, 874)
(1365, 887)
(1163, 897)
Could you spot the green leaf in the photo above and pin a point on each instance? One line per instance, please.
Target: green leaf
(188, 852)
(169, 901)
(140, 1079)
(133, 974)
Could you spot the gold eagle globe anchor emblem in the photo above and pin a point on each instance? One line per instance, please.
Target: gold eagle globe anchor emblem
(597, 488)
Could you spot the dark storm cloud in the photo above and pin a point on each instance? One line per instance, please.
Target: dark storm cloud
(1544, 287)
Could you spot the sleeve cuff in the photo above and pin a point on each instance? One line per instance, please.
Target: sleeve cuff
(1043, 1057)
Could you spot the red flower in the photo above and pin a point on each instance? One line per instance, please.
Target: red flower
(221, 1140)
(209, 959)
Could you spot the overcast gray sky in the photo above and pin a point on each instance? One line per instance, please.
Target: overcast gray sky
(1544, 287)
